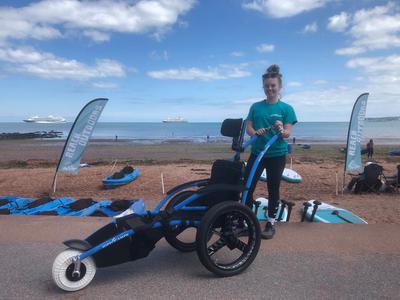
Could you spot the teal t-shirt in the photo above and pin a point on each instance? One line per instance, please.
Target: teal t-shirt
(264, 115)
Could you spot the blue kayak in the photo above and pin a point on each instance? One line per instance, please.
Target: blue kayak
(78, 208)
(10, 204)
(43, 204)
(126, 175)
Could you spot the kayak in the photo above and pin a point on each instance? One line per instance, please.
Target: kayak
(43, 204)
(78, 208)
(288, 175)
(9, 205)
(114, 209)
(67, 207)
(126, 175)
(327, 213)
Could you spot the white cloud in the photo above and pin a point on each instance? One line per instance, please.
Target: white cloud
(105, 85)
(372, 29)
(46, 19)
(97, 36)
(320, 82)
(294, 84)
(309, 28)
(249, 100)
(379, 68)
(350, 51)
(283, 8)
(159, 55)
(339, 22)
(237, 54)
(27, 60)
(335, 104)
(211, 73)
(264, 48)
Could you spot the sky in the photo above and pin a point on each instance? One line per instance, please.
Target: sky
(202, 60)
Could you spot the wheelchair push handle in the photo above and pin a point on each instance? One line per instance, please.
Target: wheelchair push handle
(275, 129)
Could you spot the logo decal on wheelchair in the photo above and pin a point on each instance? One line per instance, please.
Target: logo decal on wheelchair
(114, 240)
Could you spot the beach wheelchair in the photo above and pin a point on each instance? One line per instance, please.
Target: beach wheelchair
(227, 233)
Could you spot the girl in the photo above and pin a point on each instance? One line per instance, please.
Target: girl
(266, 113)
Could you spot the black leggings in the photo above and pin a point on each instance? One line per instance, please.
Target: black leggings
(274, 167)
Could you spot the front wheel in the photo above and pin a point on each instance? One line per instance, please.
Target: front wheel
(63, 268)
(228, 238)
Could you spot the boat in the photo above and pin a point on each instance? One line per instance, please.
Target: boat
(45, 120)
(175, 120)
(126, 175)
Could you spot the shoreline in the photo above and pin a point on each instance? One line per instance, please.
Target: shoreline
(386, 141)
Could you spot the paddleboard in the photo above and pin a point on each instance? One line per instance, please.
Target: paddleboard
(288, 175)
(327, 213)
(261, 213)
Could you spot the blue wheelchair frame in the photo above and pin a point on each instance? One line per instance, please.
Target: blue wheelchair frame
(89, 251)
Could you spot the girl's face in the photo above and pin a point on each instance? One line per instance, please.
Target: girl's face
(272, 87)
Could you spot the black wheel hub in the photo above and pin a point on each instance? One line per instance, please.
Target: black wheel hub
(70, 270)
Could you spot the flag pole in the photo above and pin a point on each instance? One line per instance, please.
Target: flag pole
(55, 183)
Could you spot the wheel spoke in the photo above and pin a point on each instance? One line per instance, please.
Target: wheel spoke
(212, 249)
(242, 246)
(216, 232)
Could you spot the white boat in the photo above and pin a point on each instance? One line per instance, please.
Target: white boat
(175, 120)
(45, 120)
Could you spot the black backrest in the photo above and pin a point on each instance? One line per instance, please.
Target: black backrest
(231, 127)
(372, 173)
(234, 128)
(225, 172)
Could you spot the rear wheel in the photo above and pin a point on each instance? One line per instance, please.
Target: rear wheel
(228, 238)
(181, 237)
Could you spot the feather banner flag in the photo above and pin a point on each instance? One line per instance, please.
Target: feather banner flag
(79, 136)
(355, 135)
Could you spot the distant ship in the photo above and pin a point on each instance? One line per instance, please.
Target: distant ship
(45, 120)
(175, 120)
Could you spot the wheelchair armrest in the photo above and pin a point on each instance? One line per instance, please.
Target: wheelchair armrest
(198, 183)
(221, 188)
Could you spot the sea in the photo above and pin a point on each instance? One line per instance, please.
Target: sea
(382, 132)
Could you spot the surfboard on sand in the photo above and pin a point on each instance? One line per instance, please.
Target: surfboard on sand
(288, 175)
(261, 213)
(327, 213)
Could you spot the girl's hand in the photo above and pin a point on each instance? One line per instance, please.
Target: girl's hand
(261, 131)
(278, 126)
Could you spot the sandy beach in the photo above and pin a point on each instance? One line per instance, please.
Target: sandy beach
(27, 169)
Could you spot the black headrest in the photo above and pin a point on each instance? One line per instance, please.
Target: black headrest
(231, 127)
(373, 168)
